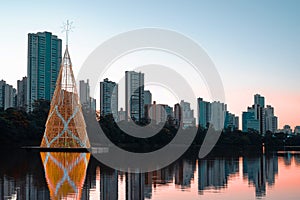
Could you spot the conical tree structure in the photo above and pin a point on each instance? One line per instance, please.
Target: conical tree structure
(65, 126)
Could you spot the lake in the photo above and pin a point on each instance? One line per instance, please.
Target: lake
(61, 175)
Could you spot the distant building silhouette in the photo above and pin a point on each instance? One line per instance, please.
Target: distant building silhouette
(86, 100)
(147, 97)
(160, 113)
(122, 115)
(286, 129)
(93, 104)
(43, 64)
(297, 130)
(84, 93)
(7, 95)
(22, 93)
(177, 115)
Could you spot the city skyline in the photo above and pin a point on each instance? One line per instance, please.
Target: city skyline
(260, 116)
(257, 51)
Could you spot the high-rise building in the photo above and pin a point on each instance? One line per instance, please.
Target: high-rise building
(43, 64)
(270, 119)
(147, 97)
(231, 121)
(2, 92)
(187, 119)
(169, 112)
(249, 122)
(134, 95)
(84, 93)
(160, 113)
(259, 100)
(22, 93)
(7, 95)
(109, 98)
(218, 115)
(93, 104)
(204, 112)
(86, 101)
(259, 105)
(177, 115)
(258, 109)
(121, 115)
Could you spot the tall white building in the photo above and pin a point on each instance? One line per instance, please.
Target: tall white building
(84, 93)
(187, 115)
(86, 101)
(134, 95)
(109, 98)
(270, 119)
(218, 111)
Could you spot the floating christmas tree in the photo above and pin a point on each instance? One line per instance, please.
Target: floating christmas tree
(65, 126)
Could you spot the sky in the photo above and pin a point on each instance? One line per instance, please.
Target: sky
(255, 45)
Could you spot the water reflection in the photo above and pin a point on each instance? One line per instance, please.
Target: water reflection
(213, 173)
(33, 175)
(65, 173)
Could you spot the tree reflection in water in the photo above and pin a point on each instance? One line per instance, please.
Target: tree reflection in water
(65, 173)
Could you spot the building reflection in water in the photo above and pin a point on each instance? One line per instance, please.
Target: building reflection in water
(213, 173)
(259, 171)
(65, 173)
(184, 173)
(109, 184)
(135, 186)
(77, 176)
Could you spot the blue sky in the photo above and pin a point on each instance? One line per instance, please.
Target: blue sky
(255, 45)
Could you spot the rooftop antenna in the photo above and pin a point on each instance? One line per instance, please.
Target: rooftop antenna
(67, 27)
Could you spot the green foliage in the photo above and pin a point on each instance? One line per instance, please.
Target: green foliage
(19, 128)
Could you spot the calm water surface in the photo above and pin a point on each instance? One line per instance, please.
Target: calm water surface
(34, 175)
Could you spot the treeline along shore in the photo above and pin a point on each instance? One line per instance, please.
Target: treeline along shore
(19, 128)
